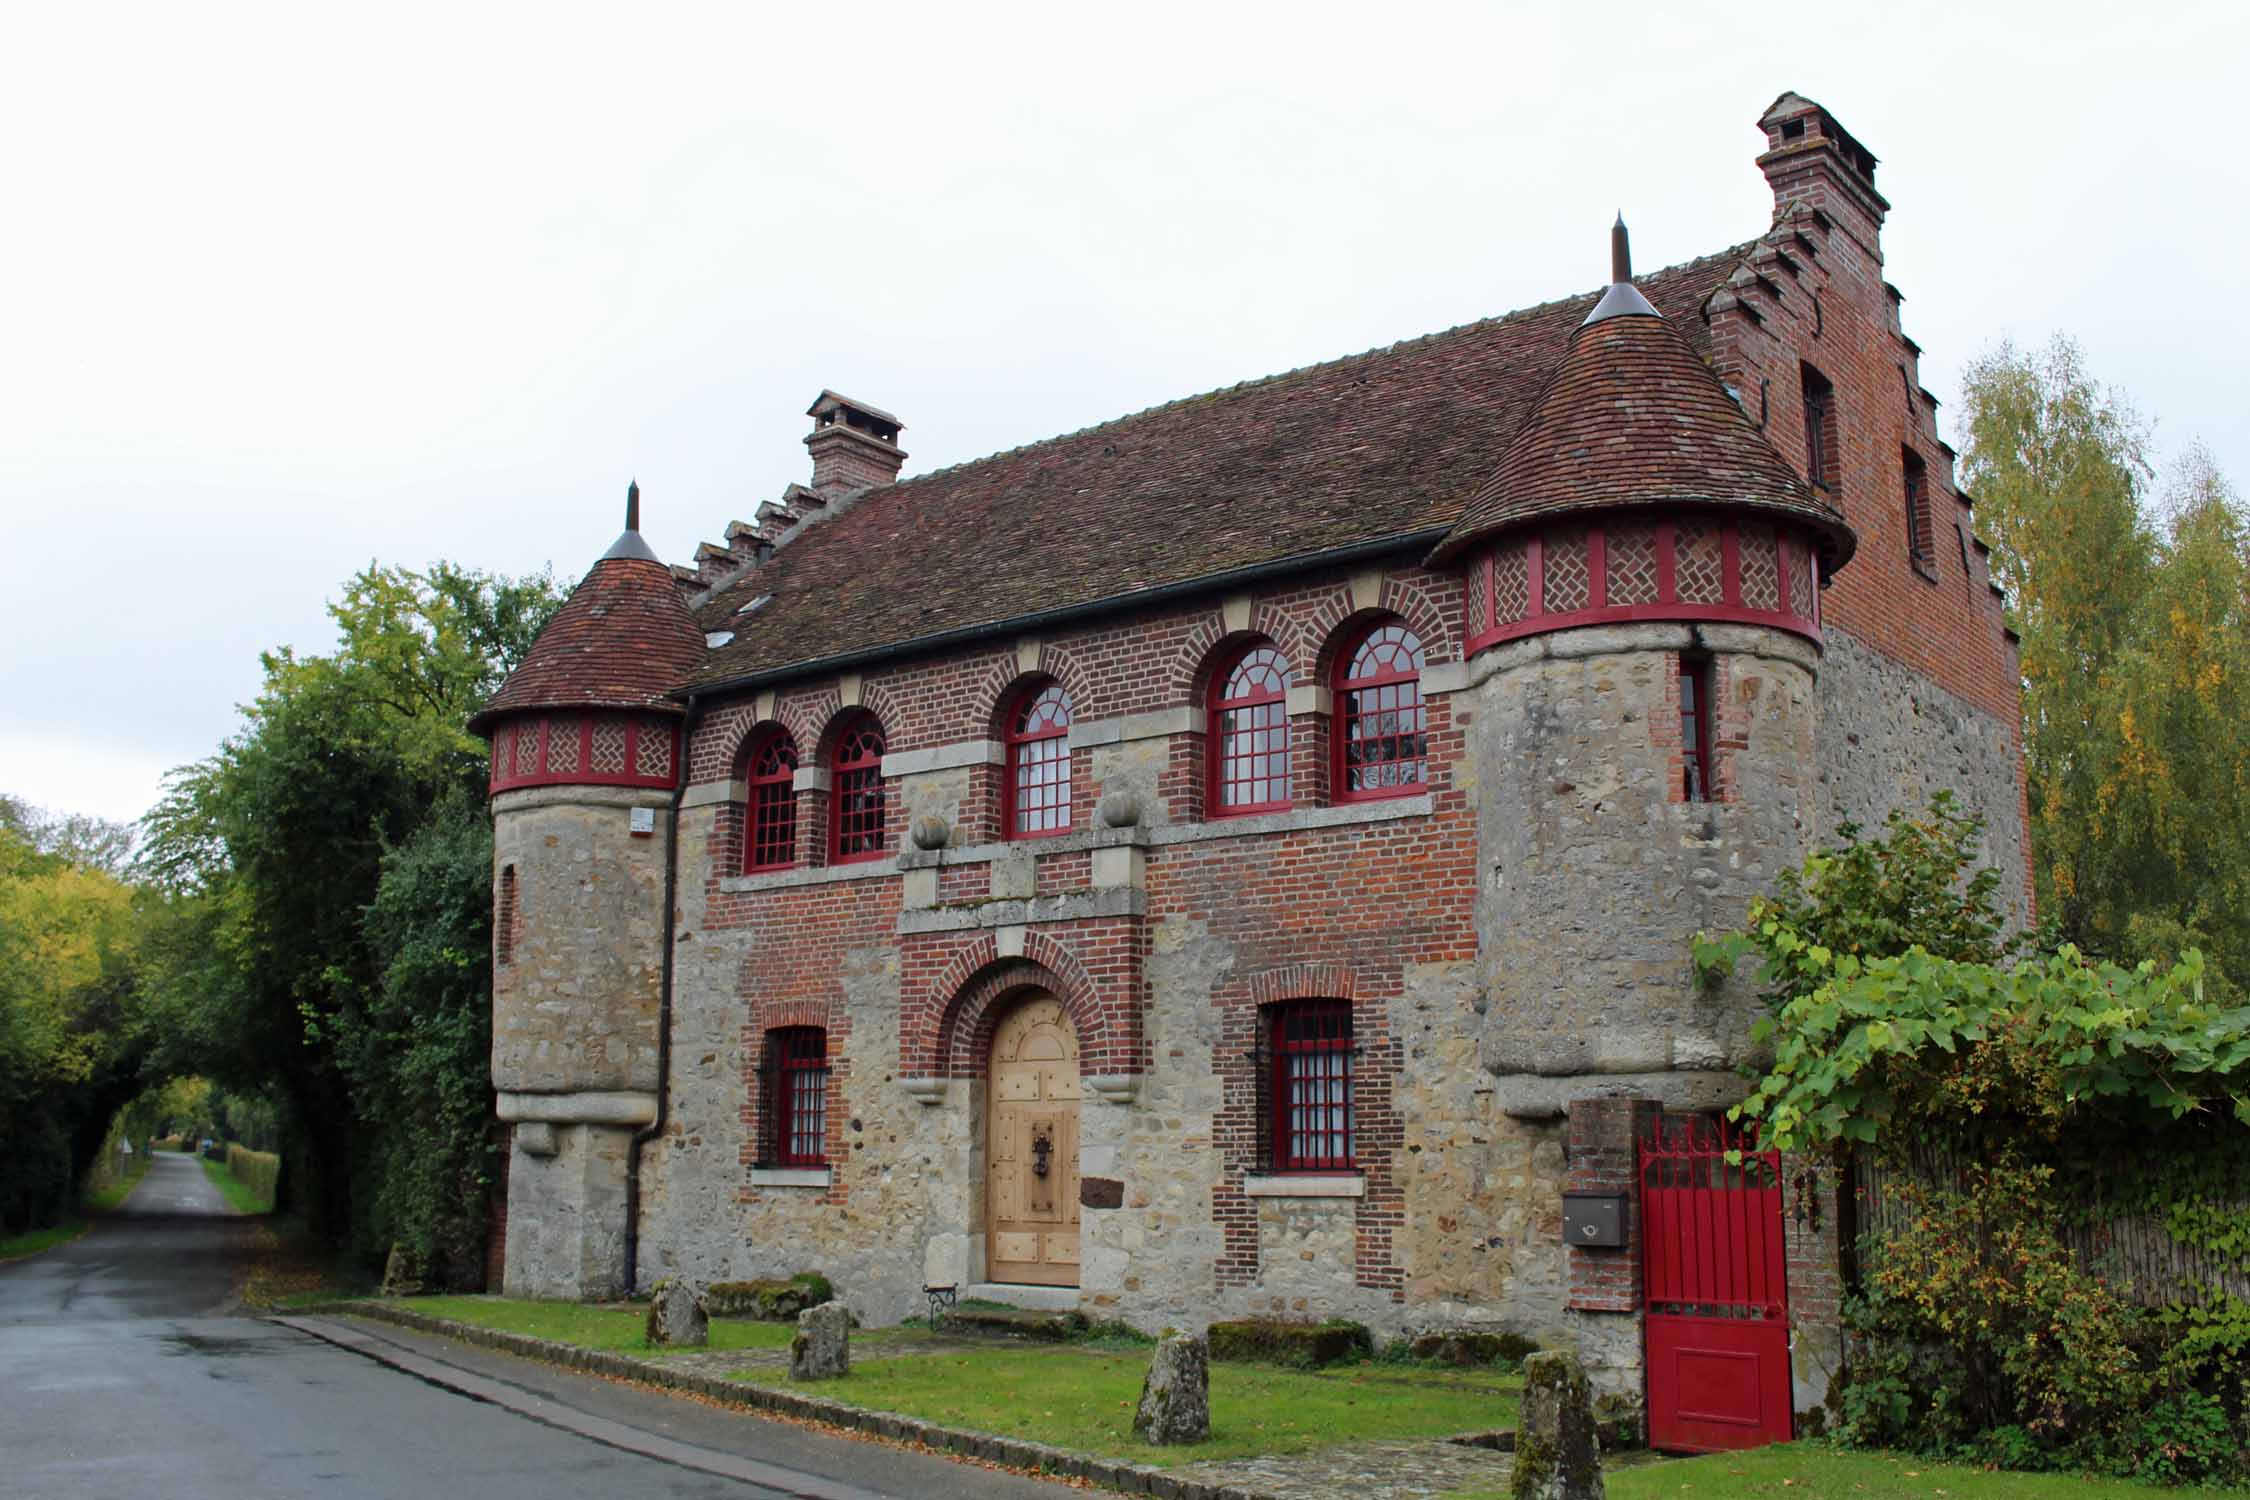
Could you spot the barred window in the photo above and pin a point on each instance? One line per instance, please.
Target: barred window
(1381, 748)
(857, 823)
(1039, 763)
(1309, 1062)
(769, 841)
(504, 918)
(1250, 734)
(794, 1098)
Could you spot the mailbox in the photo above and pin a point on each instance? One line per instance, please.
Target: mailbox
(1594, 1219)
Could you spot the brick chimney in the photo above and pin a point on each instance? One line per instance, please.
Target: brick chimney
(1814, 162)
(854, 445)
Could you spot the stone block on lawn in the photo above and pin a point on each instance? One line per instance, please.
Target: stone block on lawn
(676, 1316)
(1558, 1453)
(1017, 1323)
(772, 1299)
(1467, 1347)
(402, 1274)
(1302, 1346)
(822, 1349)
(1176, 1397)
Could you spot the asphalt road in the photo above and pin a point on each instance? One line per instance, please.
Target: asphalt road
(123, 1373)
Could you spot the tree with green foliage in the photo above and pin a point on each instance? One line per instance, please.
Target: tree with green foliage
(2136, 661)
(272, 852)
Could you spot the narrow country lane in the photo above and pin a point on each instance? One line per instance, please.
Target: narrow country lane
(122, 1373)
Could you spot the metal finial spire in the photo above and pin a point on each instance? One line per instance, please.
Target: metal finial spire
(629, 543)
(1623, 299)
(1620, 252)
(633, 506)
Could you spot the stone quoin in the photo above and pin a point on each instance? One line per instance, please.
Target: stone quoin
(1240, 860)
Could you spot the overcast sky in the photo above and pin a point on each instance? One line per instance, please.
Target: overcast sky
(287, 289)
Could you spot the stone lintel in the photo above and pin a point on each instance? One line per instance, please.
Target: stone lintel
(1073, 907)
(790, 1177)
(1533, 1096)
(1309, 698)
(866, 869)
(945, 757)
(926, 1091)
(811, 779)
(710, 793)
(606, 1107)
(1155, 724)
(1305, 1185)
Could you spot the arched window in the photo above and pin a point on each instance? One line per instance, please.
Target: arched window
(856, 823)
(1382, 747)
(1038, 783)
(793, 1098)
(769, 834)
(1250, 734)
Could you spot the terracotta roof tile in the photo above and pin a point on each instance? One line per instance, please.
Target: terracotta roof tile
(1635, 418)
(623, 639)
(1381, 444)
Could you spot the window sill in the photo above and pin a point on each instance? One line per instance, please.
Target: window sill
(797, 875)
(1305, 1185)
(791, 1177)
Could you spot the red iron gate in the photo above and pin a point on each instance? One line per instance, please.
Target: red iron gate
(1716, 1291)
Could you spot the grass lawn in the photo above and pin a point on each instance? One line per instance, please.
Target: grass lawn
(1804, 1471)
(108, 1200)
(239, 1195)
(32, 1241)
(591, 1327)
(1086, 1401)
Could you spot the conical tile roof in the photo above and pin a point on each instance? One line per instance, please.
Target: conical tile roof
(1634, 419)
(623, 639)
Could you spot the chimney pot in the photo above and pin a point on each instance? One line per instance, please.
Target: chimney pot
(854, 446)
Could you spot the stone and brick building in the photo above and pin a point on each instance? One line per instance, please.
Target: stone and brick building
(1241, 858)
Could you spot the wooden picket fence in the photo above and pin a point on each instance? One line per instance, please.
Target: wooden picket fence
(2132, 1250)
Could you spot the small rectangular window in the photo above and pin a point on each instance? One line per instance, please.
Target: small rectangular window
(1695, 729)
(793, 1098)
(1823, 458)
(1305, 1064)
(504, 919)
(1920, 548)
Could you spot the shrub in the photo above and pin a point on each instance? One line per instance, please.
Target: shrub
(258, 1171)
(1466, 1347)
(1302, 1346)
(771, 1299)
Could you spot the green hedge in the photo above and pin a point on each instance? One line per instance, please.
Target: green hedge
(258, 1171)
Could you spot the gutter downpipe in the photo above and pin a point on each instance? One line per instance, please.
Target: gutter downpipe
(655, 1127)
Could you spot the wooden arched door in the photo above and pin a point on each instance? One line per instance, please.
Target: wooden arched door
(1031, 1147)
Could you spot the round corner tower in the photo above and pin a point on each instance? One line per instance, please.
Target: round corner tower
(1643, 583)
(585, 756)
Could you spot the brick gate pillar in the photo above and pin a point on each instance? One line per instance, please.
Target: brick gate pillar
(1602, 1300)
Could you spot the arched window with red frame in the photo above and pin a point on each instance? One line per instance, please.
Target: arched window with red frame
(1382, 742)
(856, 818)
(769, 833)
(1250, 734)
(1038, 784)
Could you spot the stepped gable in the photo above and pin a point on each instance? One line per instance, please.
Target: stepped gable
(624, 639)
(1382, 444)
(1634, 418)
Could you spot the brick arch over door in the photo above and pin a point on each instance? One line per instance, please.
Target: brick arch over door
(975, 987)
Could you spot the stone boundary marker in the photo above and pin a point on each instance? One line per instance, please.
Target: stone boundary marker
(1016, 1453)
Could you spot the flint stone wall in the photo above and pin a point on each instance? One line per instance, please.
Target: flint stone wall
(576, 1008)
(1594, 875)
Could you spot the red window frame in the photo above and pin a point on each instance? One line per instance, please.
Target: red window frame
(1696, 760)
(1382, 721)
(769, 808)
(1036, 793)
(1249, 734)
(1315, 1128)
(800, 1095)
(857, 805)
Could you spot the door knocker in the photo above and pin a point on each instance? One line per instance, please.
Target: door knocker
(1042, 1147)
